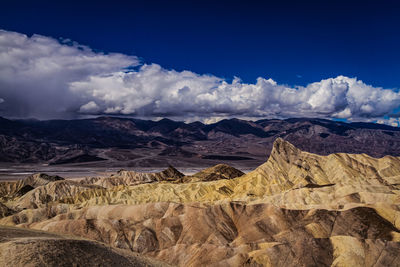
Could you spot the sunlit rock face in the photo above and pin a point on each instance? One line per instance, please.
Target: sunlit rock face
(296, 209)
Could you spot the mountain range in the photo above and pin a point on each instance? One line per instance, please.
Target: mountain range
(134, 142)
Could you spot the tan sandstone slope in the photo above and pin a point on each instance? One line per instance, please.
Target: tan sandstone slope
(10, 190)
(21, 247)
(129, 178)
(217, 172)
(297, 209)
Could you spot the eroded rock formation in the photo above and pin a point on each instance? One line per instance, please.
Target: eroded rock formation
(21, 247)
(297, 209)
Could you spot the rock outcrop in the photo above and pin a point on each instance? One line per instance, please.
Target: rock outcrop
(21, 247)
(217, 172)
(129, 178)
(10, 190)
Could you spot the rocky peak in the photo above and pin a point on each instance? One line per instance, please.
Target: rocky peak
(171, 172)
(217, 172)
(39, 179)
(284, 151)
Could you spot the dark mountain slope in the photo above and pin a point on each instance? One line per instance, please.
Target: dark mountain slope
(62, 141)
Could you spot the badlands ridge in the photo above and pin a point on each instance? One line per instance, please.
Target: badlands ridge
(297, 209)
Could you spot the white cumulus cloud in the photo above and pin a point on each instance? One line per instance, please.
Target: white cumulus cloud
(43, 77)
(90, 107)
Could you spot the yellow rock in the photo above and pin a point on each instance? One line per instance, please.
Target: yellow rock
(297, 209)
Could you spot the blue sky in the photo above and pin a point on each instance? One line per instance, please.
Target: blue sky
(282, 40)
(295, 43)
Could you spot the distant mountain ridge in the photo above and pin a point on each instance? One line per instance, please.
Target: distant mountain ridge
(63, 141)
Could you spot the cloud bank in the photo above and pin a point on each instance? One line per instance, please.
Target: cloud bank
(36, 74)
(46, 78)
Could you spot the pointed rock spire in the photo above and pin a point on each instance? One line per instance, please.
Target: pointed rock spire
(283, 150)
